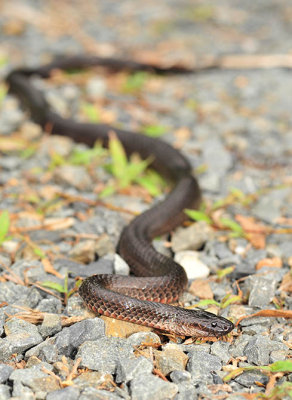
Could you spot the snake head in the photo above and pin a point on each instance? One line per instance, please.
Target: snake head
(199, 323)
(204, 324)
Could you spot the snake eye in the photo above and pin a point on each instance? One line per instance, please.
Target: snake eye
(214, 324)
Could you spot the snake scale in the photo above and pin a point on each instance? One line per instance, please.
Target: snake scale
(143, 298)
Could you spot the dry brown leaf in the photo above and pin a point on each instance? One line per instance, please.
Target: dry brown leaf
(48, 267)
(54, 224)
(249, 224)
(201, 288)
(269, 262)
(12, 143)
(286, 284)
(217, 388)
(256, 232)
(268, 313)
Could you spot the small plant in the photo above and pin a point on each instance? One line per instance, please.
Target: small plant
(154, 130)
(127, 171)
(85, 157)
(278, 366)
(135, 82)
(4, 226)
(91, 112)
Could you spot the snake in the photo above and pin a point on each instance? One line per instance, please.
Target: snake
(157, 280)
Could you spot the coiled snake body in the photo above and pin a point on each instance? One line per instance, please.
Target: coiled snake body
(139, 299)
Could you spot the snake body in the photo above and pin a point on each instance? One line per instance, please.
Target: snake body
(158, 280)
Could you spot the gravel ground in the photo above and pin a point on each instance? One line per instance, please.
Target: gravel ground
(235, 128)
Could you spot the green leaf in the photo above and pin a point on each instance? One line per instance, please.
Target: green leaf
(234, 226)
(154, 130)
(39, 252)
(56, 160)
(4, 225)
(119, 157)
(107, 191)
(91, 112)
(221, 273)
(132, 172)
(233, 374)
(54, 286)
(278, 366)
(3, 92)
(231, 300)
(85, 157)
(201, 169)
(135, 82)
(28, 152)
(3, 60)
(237, 193)
(281, 366)
(197, 215)
(207, 302)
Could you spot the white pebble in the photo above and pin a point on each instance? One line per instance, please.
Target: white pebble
(194, 267)
(120, 266)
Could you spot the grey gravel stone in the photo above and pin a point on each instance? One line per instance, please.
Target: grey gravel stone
(171, 358)
(248, 379)
(102, 266)
(91, 393)
(201, 364)
(268, 207)
(129, 368)
(93, 379)
(34, 271)
(262, 290)
(48, 353)
(2, 321)
(186, 391)
(69, 339)
(36, 379)
(180, 376)
(51, 325)
(143, 337)
(190, 238)
(21, 335)
(75, 306)
(221, 350)
(259, 348)
(35, 351)
(21, 391)
(103, 354)
(5, 371)
(278, 355)
(73, 175)
(52, 305)
(4, 392)
(154, 389)
(10, 292)
(69, 392)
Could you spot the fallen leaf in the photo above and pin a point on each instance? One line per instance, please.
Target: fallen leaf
(268, 313)
(286, 284)
(269, 262)
(50, 269)
(255, 232)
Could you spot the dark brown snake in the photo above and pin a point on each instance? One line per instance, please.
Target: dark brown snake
(158, 278)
